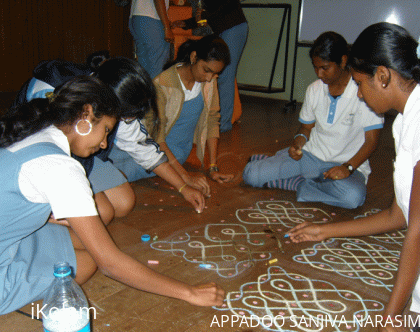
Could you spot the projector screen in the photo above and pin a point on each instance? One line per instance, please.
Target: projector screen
(350, 17)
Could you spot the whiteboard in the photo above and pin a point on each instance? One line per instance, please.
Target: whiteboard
(350, 17)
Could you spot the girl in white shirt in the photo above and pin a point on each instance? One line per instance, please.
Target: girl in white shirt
(386, 69)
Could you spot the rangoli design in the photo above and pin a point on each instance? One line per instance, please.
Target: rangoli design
(231, 248)
(289, 301)
(286, 301)
(396, 237)
(281, 213)
(353, 258)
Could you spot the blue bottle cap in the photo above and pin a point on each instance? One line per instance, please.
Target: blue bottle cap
(145, 237)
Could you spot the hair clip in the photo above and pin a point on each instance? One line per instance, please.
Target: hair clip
(51, 96)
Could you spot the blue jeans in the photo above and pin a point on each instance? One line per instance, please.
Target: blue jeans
(235, 38)
(151, 48)
(347, 193)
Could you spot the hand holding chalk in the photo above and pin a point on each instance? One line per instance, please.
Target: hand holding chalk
(208, 294)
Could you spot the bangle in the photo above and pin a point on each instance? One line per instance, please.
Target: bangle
(213, 165)
(213, 169)
(303, 135)
(201, 22)
(180, 189)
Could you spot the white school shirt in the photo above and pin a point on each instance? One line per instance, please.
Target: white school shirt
(190, 94)
(146, 8)
(134, 139)
(130, 137)
(57, 179)
(340, 124)
(406, 132)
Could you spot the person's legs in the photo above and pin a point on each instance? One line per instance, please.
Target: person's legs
(105, 209)
(86, 266)
(113, 195)
(347, 193)
(235, 38)
(281, 171)
(122, 198)
(151, 48)
(280, 166)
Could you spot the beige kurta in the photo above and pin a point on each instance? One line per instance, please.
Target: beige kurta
(170, 99)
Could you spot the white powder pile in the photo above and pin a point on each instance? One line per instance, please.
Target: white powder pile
(66, 320)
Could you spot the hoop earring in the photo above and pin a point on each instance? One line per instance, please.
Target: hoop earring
(80, 133)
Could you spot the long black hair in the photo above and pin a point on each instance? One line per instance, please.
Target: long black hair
(132, 85)
(208, 48)
(65, 107)
(388, 45)
(329, 46)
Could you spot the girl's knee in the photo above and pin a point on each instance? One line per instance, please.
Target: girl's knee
(105, 209)
(127, 202)
(355, 198)
(250, 176)
(86, 266)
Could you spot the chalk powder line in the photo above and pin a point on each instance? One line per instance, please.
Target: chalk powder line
(373, 260)
(353, 258)
(291, 298)
(232, 248)
(229, 249)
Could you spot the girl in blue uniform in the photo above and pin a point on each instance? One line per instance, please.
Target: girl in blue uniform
(134, 88)
(39, 176)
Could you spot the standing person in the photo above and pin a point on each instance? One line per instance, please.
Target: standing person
(328, 159)
(134, 88)
(386, 69)
(151, 30)
(188, 105)
(227, 20)
(38, 176)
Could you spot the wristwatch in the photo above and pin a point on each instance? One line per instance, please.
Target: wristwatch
(349, 167)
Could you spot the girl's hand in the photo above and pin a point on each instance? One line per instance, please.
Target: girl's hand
(295, 152)
(206, 295)
(195, 197)
(306, 232)
(337, 173)
(199, 182)
(63, 222)
(220, 177)
(169, 36)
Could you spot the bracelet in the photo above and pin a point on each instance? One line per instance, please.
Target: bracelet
(213, 169)
(180, 189)
(201, 22)
(213, 165)
(303, 135)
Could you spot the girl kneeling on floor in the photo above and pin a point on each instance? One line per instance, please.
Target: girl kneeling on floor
(39, 176)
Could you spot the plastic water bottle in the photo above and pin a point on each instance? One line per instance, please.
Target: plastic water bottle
(65, 307)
